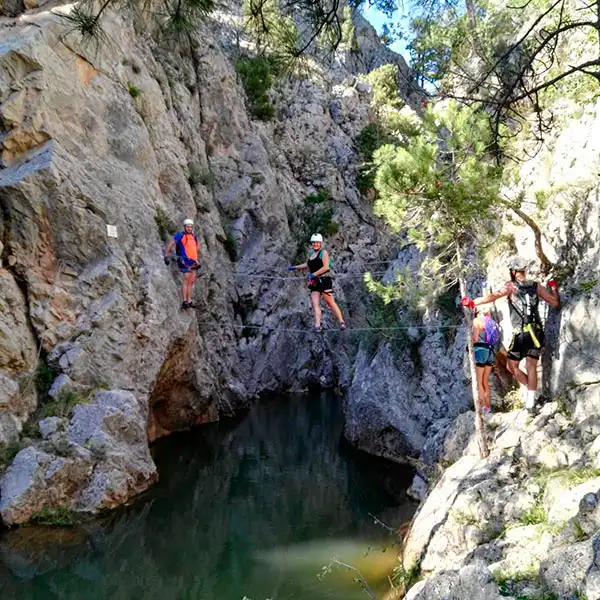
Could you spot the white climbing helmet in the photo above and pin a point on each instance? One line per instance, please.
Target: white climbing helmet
(316, 237)
(188, 222)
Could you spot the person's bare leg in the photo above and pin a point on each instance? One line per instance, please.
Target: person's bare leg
(186, 287)
(513, 367)
(315, 300)
(532, 378)
(335, 309)
(479, 371)
(193, 277)
(485, 383)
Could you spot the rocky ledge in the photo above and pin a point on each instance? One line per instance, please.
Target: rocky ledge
(97, 460)
(522, 523)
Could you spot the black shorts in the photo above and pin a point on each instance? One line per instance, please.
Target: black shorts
(324, 285)
(522, 345)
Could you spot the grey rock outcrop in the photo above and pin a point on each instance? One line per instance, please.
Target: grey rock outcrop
(101, 461)
(134, 141)
(475, 583)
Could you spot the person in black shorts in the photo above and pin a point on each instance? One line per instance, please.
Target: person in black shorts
(319, 281)
(528, 333)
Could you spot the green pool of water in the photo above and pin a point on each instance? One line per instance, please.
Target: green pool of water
(253, 509)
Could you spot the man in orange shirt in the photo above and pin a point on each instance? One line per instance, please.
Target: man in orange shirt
(186, 244)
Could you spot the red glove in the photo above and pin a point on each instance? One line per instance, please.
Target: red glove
(553, 284)
(467, 302)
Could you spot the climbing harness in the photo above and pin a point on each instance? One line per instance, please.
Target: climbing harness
(527, 311)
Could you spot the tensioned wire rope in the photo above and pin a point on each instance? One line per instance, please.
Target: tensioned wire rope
(269, 329)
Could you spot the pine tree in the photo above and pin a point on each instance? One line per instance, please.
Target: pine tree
(443, 189)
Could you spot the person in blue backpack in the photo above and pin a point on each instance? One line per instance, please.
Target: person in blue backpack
(186, 244)
(320, 284)
(486, 336)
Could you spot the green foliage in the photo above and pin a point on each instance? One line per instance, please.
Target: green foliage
(348, 39)
(166, 227)
(585, 287)
(134, 92)
(534, 515)
(574, 476)
(199, 176)
(256, 74)
(270, 29)
(512, 401)
(384, 81)
(406, 578)
(61, 406)
(370, 138)
(382, 318)
(435, 37)
(365, 178)
(443, 184)
(56, 517)
(315, 215)
(44, 377)
(8, 451)
(231, 245)
(464, 518)
(392, 127)
(31, 429)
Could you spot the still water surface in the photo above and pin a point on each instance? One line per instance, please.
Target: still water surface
(253, 508)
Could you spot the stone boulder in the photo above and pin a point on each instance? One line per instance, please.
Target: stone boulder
(471, 582)
(106, 462)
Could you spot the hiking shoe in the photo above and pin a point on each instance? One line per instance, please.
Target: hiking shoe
(343, 326)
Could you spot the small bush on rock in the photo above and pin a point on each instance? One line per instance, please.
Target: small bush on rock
(8, 452)
(62, 405)
(134, 92)
(257, 74)
(57, 517)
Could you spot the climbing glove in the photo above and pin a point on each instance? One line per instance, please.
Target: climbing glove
(467, 302)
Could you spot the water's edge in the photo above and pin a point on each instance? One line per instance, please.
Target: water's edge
(254, 507)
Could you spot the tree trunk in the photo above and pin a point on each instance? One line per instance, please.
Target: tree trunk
(539, 250)
(471, 14)
(479, 424)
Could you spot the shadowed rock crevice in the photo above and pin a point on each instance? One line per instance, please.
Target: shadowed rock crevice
(176, 400)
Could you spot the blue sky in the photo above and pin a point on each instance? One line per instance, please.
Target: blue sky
(377, 19)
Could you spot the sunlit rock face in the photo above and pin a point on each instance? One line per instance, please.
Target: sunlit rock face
(105, 149)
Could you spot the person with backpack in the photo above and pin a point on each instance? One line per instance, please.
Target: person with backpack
(319, 280)
(186, 245)
(528, 333)
(486, 336)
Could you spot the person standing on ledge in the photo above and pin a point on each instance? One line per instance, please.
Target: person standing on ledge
(186, 244)
(486, 335)
(319, 281)
(528, 333)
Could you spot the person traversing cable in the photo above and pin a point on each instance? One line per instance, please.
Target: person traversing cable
(186, 244)
(486, 335)
(319, 281)
(528, 333)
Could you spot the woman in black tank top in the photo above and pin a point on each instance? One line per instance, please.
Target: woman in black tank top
(319, 281)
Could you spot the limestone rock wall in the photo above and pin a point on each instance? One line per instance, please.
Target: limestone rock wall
(135, 135)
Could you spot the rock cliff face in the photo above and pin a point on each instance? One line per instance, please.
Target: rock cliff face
(105, 149)
(528, 515)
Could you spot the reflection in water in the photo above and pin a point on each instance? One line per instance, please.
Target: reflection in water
(251, 509)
